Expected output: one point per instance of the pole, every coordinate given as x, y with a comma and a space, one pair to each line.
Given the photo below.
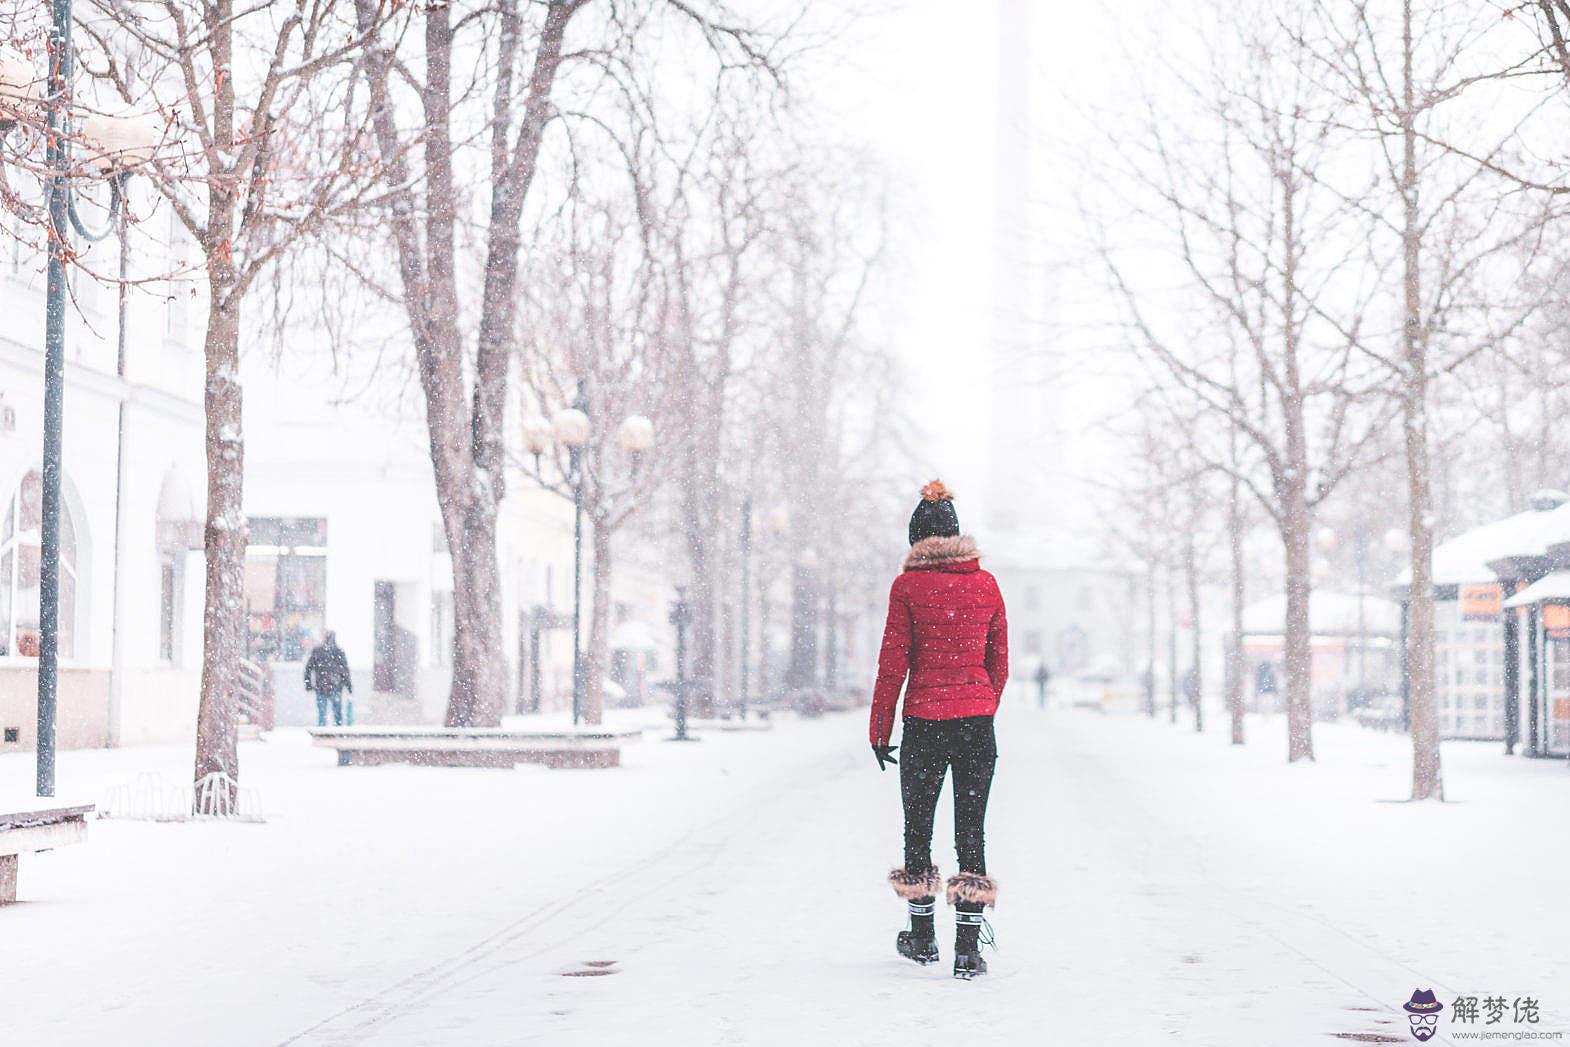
576, 456
575, 460
121, 494
58, 160
1362, 628
746, 598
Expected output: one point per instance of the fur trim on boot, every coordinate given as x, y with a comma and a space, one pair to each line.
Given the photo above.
974, 888
913, 885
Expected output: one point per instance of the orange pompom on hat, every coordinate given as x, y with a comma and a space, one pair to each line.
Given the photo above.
934, 516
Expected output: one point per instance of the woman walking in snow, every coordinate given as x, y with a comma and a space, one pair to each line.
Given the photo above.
948, 635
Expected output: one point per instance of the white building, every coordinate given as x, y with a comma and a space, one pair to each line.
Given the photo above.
344, 527
346, 534
131, 580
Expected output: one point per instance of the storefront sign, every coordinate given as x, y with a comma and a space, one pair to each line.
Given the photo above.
1482, 603
1556, 621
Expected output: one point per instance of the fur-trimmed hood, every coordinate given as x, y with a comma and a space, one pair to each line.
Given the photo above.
942, 551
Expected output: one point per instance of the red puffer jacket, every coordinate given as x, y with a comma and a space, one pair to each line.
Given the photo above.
947, 632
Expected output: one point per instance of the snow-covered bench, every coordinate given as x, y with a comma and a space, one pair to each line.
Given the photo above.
474, 746
40, 830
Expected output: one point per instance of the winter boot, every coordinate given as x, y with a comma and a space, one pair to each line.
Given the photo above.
920, 942
919, 889
969, 894
968, 927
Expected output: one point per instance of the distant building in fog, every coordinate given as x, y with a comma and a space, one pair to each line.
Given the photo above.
1071, 614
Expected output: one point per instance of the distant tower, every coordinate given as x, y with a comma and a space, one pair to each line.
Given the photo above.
1023, 452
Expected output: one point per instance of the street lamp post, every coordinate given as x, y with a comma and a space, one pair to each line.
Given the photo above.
116, 144
1360, 552
572, 428
681, 614
746, 598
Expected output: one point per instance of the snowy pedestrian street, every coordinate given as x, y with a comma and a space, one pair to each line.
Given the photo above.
1155, 885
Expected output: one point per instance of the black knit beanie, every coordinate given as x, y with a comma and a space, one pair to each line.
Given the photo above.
934, 516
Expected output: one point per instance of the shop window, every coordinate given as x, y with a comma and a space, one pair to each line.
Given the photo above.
19, 572
441, 628
288, 532
285, 587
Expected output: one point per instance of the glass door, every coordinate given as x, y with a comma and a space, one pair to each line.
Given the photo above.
1555, 711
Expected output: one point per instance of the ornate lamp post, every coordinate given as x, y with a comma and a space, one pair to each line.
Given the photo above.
572, 428
113, 146
680, 617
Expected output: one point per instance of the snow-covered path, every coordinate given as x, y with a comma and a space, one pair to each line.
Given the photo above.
1154, 885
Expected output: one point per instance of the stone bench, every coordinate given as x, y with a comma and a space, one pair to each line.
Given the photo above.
30, 831
474, 746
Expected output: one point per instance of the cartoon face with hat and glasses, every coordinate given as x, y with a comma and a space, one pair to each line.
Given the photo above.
1422, 1013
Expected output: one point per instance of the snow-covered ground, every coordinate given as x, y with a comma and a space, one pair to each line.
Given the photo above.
1156, 886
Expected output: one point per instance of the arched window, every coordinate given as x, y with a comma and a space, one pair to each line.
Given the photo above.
19, 563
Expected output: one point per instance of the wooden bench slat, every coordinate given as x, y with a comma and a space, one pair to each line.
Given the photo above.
43, 816
42, 837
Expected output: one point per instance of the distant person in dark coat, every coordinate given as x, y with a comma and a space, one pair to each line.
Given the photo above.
1265, 685
327, 674
1043, 677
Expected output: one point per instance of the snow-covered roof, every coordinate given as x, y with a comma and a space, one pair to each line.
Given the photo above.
1329, 614
1465, 558
1553, 586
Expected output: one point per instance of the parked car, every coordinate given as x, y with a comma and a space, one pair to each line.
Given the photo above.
1103, 688
1381, 712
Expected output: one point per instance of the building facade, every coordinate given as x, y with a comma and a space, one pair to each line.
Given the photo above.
133, 477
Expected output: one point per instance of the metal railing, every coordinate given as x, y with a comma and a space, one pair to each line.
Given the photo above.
257, 701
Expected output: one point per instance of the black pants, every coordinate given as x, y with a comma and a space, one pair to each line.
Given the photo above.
927, 750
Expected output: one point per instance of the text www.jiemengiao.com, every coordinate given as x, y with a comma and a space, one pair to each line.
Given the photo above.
1505, 1034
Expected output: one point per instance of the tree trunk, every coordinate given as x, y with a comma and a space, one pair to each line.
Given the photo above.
1151, 640
802, 670
223, 620
1191, 572
1427, 775
831, 638
1235, 664
465, 429
597, 657
1297, 642
1172, 646
702, 530
1297, 515
478, 693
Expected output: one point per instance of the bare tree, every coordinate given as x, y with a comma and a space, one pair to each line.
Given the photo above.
1273, 258
598, 310
830, 253
423, 134
712, 247
1411, 72
267, 153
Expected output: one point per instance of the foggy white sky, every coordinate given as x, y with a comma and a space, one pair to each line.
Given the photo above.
917, 80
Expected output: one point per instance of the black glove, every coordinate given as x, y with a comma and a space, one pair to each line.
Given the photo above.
885, 755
